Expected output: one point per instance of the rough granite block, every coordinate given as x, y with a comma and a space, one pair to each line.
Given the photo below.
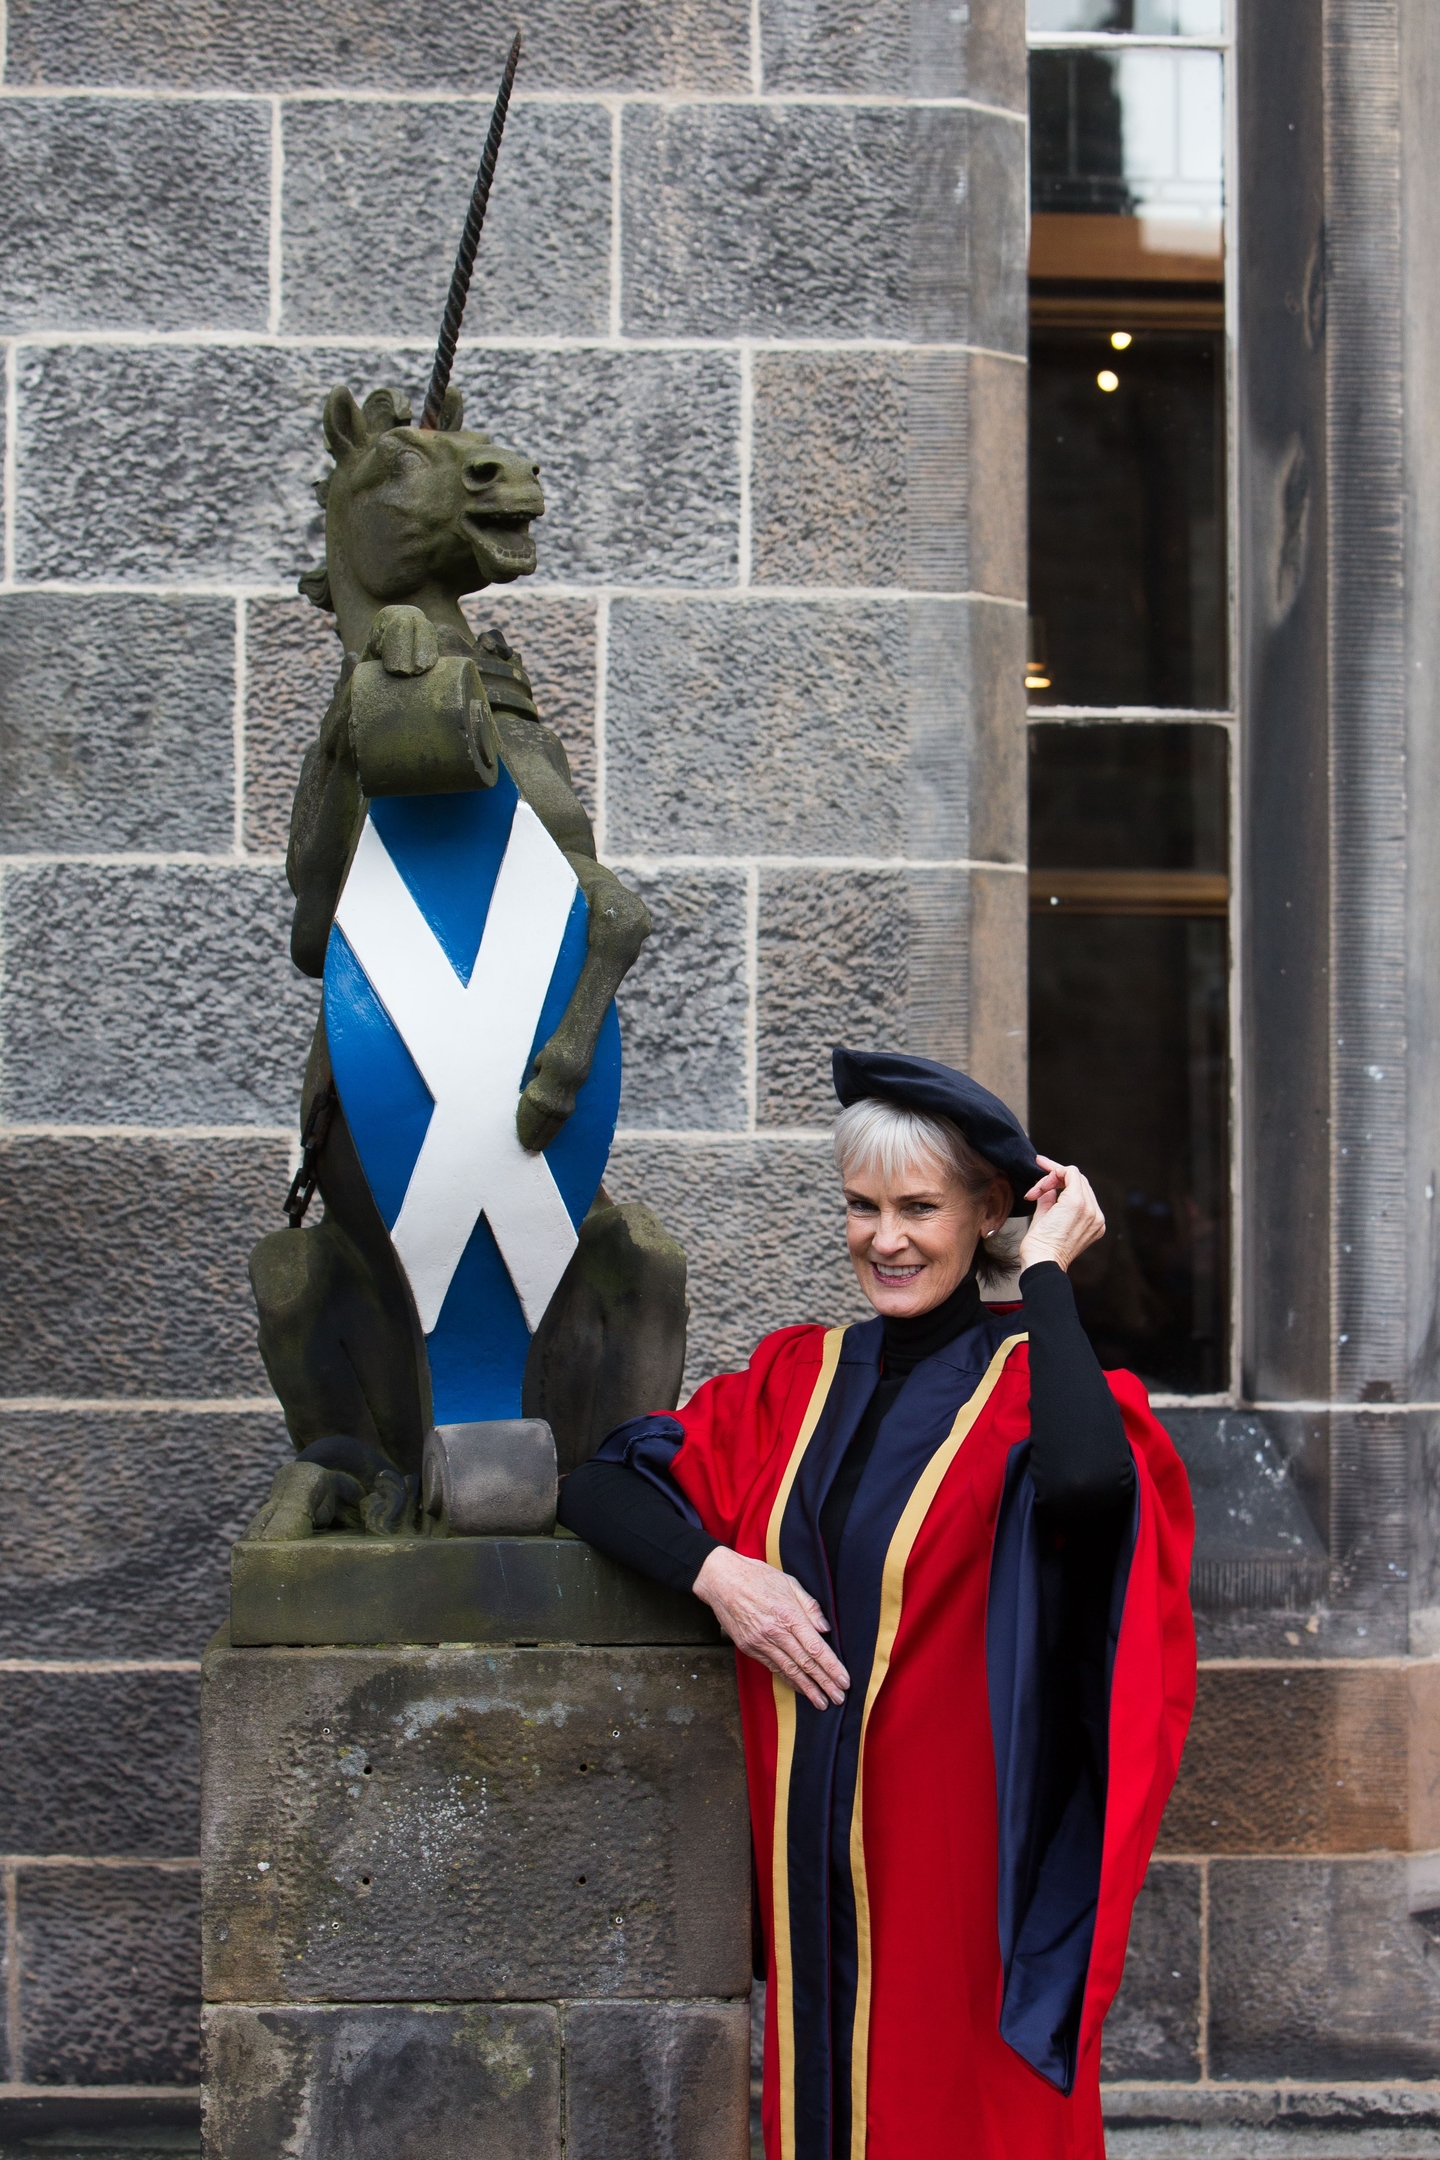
555, 637
124, 1264
799, 215
152, 995
1153, 2030
473, 1824
292, 663
383, 2081
110, 1975
116, 723
860, 957
890, 469
657, 2081
451, 45
829, 493
376, 195
1318, 1970
205, 458
923, 49
763, 1228
683, 1004
100, 1762
769, 726
115, 1527
133, 215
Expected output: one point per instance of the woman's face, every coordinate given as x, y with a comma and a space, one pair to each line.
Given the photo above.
912, 1241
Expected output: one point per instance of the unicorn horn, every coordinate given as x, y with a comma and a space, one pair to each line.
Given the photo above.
465, 254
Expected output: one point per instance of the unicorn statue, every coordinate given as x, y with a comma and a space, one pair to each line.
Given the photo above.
473, 1313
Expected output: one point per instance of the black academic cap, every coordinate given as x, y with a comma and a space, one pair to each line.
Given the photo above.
920, 1084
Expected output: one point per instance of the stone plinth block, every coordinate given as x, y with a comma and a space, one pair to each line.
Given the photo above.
493, 1590
473, 1825
476, 1899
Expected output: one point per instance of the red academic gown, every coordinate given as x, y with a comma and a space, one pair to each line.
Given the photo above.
947, 1865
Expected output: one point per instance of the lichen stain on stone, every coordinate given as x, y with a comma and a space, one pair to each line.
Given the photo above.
504, 2057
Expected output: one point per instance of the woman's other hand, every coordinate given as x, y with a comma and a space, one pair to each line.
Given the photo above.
1067, 1216
772, 1619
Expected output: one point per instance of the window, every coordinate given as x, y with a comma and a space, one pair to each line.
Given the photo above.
1129, 666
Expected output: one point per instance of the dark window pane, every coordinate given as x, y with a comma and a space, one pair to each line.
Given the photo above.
1129, 1030
1127, 527
1121, 796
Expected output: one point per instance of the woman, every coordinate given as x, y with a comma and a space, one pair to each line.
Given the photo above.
953, 1555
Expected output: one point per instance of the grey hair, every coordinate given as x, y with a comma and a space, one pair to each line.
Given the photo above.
876, 1135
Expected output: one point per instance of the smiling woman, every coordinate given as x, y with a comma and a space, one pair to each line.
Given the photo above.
953, 1556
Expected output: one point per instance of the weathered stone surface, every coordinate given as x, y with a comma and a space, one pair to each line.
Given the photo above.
657, 2081
133, 215
999, 924
775, 1204
116, 723
1319, 1966
890, 468
1329, 2117
1153, 2030
997, 189
1309, 1759
492, 1590
860, 957
771, 726
109, 1977
205, 458
1256, 1542
477, 1825
100, 1762
555, 637
683, 1004
115, 1528
931, 49
786, 727
452, 46
381, 2081
124, 1264
292, 661
361, 258
829, 495
798, 214
995, 504
150, 995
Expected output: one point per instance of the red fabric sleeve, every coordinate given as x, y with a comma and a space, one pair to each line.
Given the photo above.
739, 1429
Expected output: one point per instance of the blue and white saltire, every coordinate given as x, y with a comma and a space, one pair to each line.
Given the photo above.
459, 936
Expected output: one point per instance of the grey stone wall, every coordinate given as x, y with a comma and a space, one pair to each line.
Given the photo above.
753, 293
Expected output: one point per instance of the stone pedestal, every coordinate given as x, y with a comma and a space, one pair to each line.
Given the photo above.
474, 1896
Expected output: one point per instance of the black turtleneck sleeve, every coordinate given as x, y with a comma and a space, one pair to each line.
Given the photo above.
1080, 1461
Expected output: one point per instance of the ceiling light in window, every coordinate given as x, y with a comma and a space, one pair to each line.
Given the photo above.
1037, 682
1108, 379
1121, 340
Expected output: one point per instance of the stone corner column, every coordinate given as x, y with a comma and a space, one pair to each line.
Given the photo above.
478, 1896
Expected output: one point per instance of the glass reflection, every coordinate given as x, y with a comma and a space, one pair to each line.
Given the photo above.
1147, 18
1137, 134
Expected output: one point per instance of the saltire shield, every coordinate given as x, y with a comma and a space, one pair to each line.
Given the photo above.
458, 940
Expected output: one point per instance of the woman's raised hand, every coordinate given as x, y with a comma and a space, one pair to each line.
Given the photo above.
772, 1619
1067, 1216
